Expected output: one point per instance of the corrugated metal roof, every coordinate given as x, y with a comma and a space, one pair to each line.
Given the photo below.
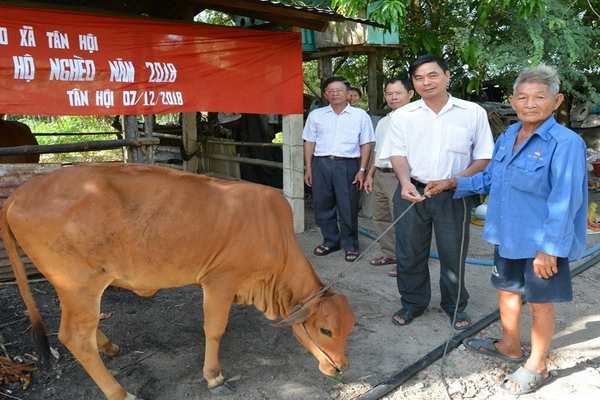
316, 18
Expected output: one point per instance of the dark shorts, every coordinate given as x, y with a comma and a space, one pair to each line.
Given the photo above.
517, 276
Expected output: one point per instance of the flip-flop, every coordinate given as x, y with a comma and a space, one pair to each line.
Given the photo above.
351, 256
321, 250
383, 261
405, 315
528, 380
487, 348
461, 316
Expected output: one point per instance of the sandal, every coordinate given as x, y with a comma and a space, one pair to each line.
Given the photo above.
383, 261
460, 317
487, 347
324, 250
351, 256
529, 381
406, 315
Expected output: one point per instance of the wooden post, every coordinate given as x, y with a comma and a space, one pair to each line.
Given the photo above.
148, 154
325, 71
189, 129
189, 139
130, 130
375, 82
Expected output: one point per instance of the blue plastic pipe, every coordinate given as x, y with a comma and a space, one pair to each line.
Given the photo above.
478, 261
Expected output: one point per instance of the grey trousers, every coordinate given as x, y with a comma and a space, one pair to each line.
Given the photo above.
384, 187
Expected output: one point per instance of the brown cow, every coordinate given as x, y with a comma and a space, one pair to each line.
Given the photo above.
145, 228
14, 133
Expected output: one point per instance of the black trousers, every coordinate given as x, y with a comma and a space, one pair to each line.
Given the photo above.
449, 220
336, 199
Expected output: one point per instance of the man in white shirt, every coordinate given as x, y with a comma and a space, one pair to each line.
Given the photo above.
434, 138
337, 145
381, 181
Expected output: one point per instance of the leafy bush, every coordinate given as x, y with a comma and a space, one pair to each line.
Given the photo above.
73, 129
278, 138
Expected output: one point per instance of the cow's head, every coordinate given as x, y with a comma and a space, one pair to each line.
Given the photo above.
322, 325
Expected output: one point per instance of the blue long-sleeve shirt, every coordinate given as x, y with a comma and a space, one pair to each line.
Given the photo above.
538, 195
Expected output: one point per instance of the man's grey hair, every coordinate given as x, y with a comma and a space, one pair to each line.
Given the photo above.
543, 74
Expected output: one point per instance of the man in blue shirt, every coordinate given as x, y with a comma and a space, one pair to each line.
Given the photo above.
536, 217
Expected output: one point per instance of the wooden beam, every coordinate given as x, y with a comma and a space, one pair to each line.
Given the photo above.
349, 50
273, 12
79, 146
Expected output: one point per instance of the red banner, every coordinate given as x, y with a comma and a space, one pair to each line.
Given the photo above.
66, 63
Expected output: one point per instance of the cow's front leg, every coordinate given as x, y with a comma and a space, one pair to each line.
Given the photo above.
216, 315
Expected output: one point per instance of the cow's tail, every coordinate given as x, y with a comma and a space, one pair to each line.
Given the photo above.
38, 330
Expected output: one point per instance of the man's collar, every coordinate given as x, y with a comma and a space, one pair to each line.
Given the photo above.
330, 109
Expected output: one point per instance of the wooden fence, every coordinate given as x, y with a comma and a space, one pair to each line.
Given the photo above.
12, 176
77, 147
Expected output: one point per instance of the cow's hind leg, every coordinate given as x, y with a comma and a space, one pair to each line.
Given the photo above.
105, 345
79, 333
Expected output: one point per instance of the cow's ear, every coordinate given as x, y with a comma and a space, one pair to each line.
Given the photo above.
299, 316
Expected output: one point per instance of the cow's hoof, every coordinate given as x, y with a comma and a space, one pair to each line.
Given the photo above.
223, 390
112, 350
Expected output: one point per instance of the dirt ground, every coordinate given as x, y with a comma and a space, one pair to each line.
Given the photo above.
162, 341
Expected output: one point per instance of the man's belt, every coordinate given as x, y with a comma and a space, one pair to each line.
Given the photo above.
336, 158
417, 183
421, 185
385, 169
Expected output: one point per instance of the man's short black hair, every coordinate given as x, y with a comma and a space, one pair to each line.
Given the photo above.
406, 83
427, 59
357, 90
335, 79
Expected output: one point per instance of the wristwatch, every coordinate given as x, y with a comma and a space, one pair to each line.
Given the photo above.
362, 169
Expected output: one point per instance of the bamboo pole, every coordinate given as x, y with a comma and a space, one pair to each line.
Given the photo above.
76, 147
244, 160
256, 144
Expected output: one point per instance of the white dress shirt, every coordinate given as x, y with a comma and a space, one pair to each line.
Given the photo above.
380, 133
438, 146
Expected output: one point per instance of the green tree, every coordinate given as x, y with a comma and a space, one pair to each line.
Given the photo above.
494, 39
72, 129
215, 18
